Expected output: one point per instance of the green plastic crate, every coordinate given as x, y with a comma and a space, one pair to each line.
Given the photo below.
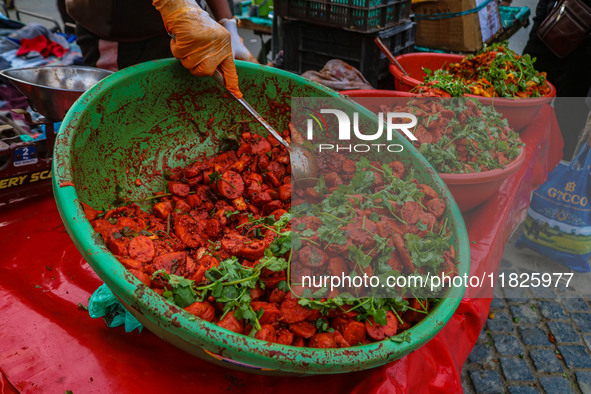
359, 15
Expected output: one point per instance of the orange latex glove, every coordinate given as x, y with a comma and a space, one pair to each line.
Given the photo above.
201, 44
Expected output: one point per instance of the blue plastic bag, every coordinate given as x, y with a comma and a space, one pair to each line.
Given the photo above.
558, 223
103, 303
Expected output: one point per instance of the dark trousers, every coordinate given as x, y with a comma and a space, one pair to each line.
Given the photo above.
128, 53
571, 76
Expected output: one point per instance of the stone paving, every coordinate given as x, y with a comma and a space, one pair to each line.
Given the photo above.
534, 340
532, 344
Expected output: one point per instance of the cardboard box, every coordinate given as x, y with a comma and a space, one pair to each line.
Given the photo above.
463, 33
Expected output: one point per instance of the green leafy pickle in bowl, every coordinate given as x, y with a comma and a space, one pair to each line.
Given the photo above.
460, 136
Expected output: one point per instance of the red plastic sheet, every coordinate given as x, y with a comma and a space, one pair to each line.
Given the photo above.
48, 343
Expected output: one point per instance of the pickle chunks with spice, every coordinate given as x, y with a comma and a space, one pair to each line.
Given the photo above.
219, 244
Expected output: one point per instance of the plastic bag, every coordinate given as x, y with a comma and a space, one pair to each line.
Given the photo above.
103, 303
558, 223
338, 75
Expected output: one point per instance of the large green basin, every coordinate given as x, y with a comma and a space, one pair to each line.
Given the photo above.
130, 124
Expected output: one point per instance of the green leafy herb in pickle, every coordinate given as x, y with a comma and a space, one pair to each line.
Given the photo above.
230, 283
495, 71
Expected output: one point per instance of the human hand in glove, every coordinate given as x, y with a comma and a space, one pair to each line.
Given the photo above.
201, 44
238, 48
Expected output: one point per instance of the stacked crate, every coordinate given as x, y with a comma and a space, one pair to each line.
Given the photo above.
315, 31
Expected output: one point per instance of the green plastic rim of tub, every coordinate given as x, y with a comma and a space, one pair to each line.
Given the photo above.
131, 123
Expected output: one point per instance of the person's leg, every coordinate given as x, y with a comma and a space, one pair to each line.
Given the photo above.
95, 51
585, 136
570, 76
130, 53
66, 18
113, 56
89, 45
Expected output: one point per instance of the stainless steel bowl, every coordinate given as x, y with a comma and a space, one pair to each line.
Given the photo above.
51, 90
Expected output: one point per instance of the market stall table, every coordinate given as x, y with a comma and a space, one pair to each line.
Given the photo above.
48, 343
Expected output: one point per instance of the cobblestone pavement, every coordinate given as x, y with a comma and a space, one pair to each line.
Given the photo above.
534, 340
530, 345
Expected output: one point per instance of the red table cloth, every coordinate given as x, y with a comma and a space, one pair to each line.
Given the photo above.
48, 343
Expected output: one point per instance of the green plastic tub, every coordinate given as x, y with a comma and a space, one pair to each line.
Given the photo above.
130, 124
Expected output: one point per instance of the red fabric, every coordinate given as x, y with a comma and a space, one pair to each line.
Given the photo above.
42, 45
5, 386
49, 344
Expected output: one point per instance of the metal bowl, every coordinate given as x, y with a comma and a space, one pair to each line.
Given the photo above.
52, 90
